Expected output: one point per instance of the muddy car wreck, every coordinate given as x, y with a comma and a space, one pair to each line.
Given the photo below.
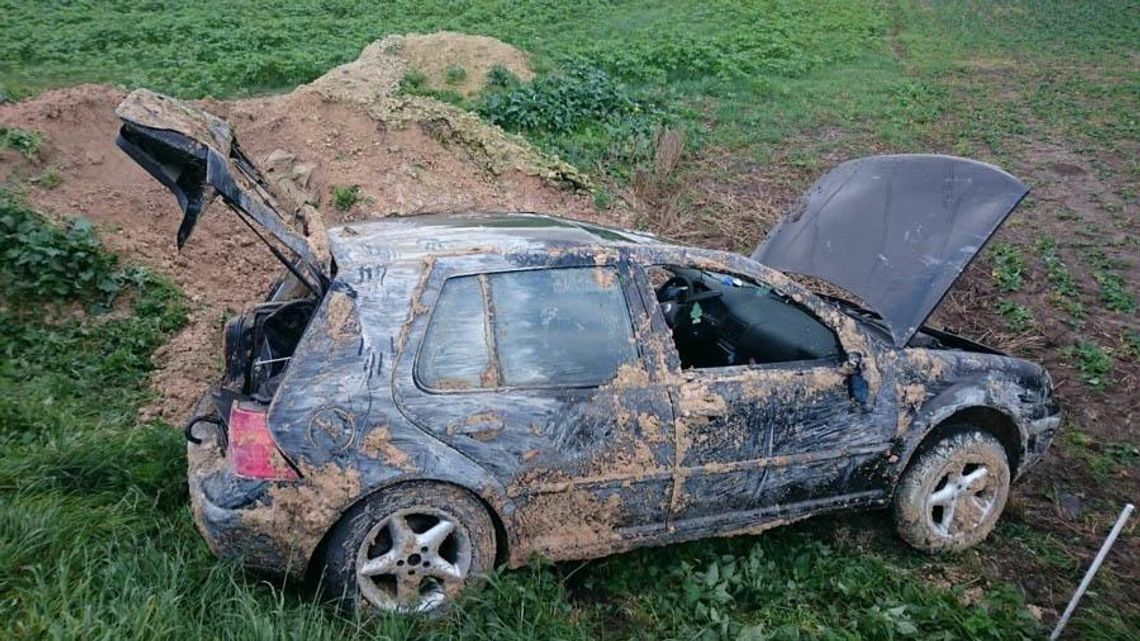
421, 399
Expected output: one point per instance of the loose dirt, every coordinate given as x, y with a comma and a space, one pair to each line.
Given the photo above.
408, 155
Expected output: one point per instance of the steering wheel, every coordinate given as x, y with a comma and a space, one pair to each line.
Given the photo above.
677, 294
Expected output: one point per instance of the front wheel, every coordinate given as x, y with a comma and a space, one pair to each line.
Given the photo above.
409, 549
951, 495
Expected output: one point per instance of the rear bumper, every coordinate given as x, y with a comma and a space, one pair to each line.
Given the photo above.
235, 515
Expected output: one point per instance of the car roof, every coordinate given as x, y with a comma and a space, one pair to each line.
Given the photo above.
416, 237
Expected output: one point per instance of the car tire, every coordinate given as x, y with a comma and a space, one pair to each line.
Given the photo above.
952, 493
410, 548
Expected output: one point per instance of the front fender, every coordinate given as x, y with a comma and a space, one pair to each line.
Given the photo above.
994, 396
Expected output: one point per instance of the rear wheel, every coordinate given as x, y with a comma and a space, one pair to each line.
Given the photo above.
952, 494
409, 549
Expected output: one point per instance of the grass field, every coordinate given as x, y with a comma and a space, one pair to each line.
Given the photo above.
96, 538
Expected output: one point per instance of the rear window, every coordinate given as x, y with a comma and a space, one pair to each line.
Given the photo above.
558, 327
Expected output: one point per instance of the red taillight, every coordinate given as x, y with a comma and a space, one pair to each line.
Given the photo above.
252, 450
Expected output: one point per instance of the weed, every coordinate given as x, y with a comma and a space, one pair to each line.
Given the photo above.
774, 587
1008, 266
1114, 292
582, 113
499, 78
1065, 291
413, 80
1041, 545
603, 199
1017, 316
455, 74
44, 263
1130, 341
1113, 289
346, 196
1094, 363
50, 179
1114, 458
24, 141
1105, 461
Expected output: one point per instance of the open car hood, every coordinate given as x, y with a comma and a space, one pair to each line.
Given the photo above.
194, 154
896, 231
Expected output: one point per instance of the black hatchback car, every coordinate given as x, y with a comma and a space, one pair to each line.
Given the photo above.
424, 398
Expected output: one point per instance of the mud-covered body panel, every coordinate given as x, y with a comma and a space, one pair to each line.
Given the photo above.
935, 385
657, 455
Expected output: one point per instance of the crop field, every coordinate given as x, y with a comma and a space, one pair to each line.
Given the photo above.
699, 120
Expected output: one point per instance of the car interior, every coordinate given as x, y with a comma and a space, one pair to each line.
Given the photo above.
721, 320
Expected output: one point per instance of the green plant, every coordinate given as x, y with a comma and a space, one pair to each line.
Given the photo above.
413, 80
1008, 266
1065, 291
603, 198
42, 262
582, 113
24, 141
1114, 292
346, 196
50, 179
499, 77
1094, 363
1016, 315
455, 74
1113, 289
1130, 339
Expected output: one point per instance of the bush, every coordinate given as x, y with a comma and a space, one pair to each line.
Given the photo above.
560, 102
42, 262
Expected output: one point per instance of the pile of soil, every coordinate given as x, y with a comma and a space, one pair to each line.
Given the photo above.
408, 155
434, 54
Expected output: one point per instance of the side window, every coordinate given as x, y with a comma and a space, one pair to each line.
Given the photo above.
549, 327
455, 353
720, 320
561, 326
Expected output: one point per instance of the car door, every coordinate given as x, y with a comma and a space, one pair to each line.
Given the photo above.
759, 441
539, 374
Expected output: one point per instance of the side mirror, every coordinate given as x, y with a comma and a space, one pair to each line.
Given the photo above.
857, 387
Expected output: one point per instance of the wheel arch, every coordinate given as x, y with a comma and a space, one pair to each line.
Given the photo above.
498, 505
952, 420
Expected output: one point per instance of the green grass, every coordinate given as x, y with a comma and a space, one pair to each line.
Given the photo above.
1105, 461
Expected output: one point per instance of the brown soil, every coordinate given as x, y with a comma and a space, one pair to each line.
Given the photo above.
408, 155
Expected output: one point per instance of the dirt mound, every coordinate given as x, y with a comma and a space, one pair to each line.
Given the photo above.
408, 155
373, 81
460, 62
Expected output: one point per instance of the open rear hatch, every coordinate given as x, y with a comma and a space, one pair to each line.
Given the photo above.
194, 154
895, 231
